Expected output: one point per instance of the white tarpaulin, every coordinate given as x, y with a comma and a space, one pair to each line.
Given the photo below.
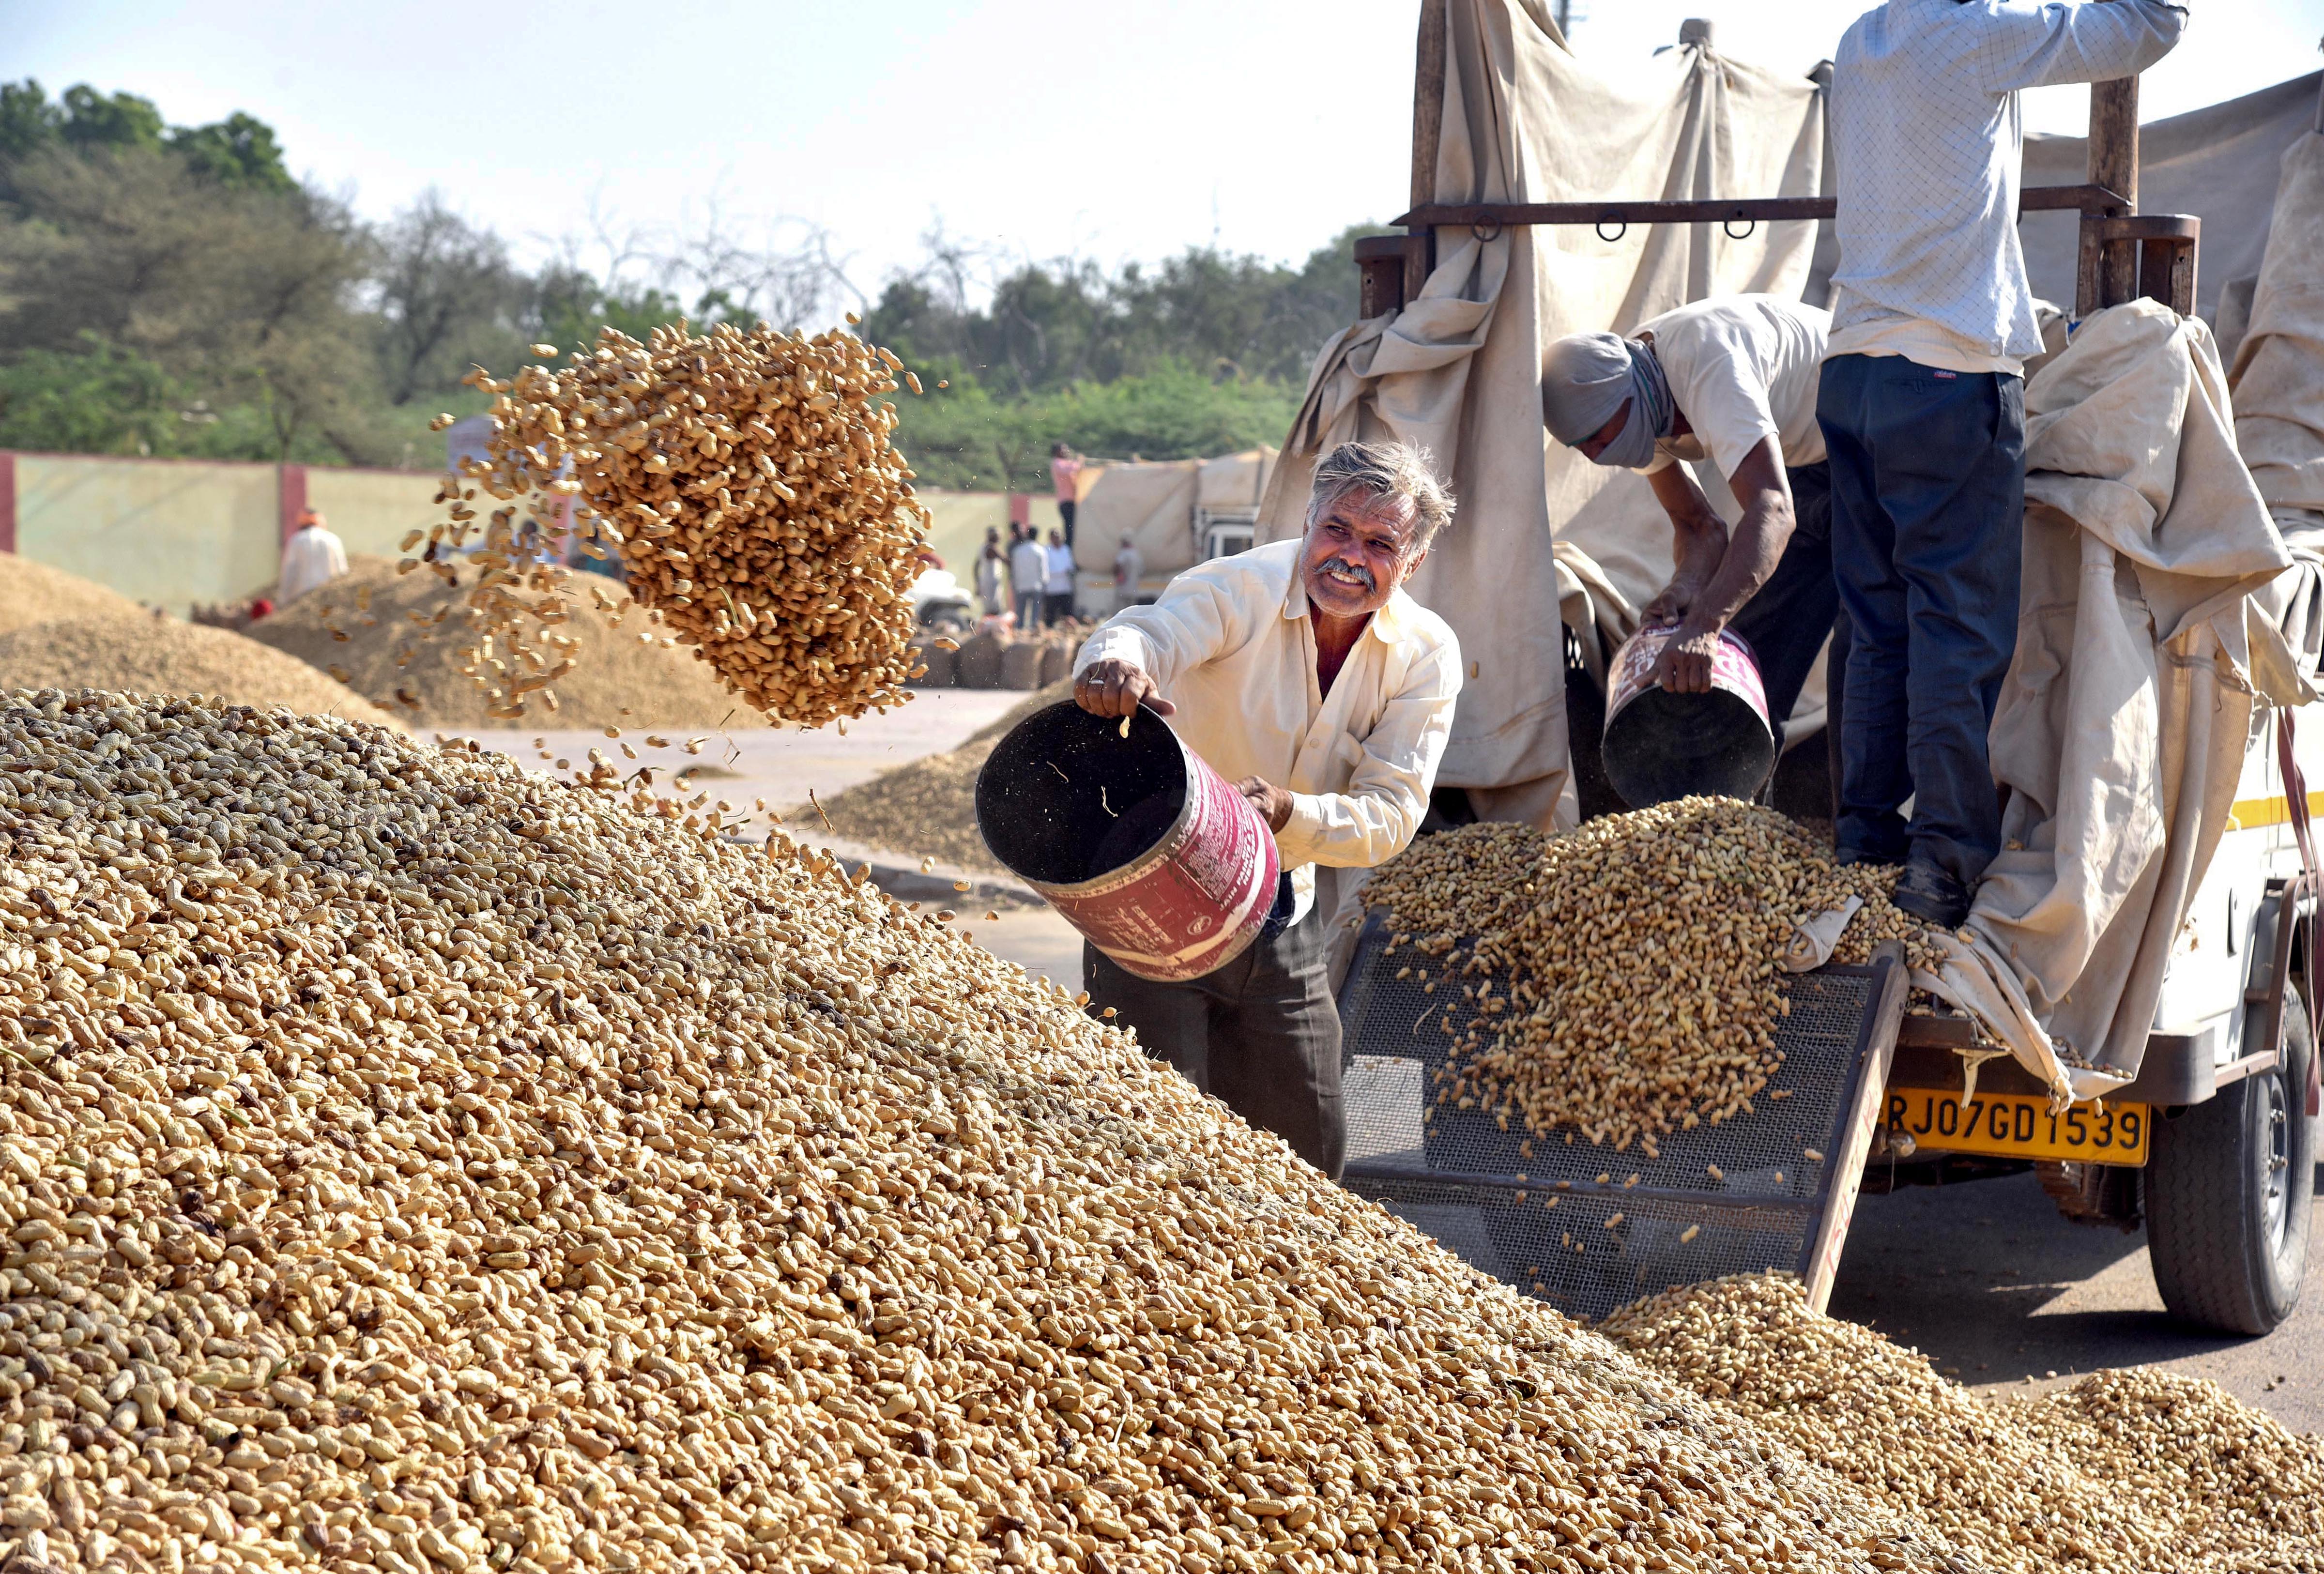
1234, 481
2279, 392
2279, 372
2218, 162
1152, 503
2120, 734
1458, 369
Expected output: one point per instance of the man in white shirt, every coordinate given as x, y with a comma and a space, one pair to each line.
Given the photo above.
1733, 379
1923, 403
312, 557
1029, 574
1058, 588
1301, 672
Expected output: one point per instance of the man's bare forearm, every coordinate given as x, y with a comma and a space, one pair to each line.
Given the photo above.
1748, 562
1702, 546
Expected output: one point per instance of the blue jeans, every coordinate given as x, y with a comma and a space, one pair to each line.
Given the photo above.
1786, 622
1928, 505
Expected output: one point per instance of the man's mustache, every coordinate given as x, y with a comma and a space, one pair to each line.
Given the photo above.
1356, 569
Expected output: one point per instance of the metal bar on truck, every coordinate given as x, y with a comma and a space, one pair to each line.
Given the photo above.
2085, 199
1875, 1049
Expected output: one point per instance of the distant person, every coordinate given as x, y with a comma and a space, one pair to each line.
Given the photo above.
1064, 473
1028, 577
1128, 569
312, 557
991, 567
1058, 588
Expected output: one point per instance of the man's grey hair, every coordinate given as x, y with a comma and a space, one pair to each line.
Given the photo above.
1383, 470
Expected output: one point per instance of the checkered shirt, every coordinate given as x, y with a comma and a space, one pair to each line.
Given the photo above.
1928, 139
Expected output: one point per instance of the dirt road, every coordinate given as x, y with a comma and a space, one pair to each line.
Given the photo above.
2006, 1295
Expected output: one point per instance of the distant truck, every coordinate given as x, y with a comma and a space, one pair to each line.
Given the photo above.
1177, 512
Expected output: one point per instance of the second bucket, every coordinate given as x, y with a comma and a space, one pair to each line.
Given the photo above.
1660, 745
1136, 841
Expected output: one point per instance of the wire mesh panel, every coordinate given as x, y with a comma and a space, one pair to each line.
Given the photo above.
1751, 1192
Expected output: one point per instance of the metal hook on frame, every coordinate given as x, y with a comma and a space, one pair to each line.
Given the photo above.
1750, 228
1488, 229
1621, 228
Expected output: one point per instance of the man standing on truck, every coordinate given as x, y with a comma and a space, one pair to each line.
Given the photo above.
1733, 379
1923, 403
1064, 475
1301, 672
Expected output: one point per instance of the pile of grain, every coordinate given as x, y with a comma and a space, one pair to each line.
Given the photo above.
33, 593
746, 479
143, 654
410, 1163
2122, 1473
1639, 956
928, 808
619, 680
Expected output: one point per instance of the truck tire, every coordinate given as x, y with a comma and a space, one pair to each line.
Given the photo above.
2230, 1184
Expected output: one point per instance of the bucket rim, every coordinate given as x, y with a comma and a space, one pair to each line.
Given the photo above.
1618, 702
1137, 867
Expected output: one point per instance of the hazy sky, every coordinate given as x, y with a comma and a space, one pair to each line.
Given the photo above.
1111, 129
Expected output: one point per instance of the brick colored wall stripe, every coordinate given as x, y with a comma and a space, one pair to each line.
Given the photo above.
294, 497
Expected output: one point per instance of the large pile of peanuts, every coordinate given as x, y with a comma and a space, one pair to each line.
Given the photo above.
1631, 971
413, 1165
2123, 1472
747, 481
408, 643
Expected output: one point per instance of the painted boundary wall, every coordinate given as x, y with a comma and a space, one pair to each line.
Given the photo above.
172, 532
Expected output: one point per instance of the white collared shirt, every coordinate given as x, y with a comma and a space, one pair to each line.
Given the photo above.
1231, 644
311, 558
1028, 568
1928, 141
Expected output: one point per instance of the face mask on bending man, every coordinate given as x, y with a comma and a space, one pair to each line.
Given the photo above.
1606, 395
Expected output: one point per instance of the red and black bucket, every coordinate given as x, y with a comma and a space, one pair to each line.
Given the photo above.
1660, 745
1140, 845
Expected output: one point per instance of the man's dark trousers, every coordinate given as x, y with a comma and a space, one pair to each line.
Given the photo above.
1786, 620
1262, 1033
1928, 486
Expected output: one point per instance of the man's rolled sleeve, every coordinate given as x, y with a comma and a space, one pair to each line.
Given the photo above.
1195, 620
1387, 795
1114, 642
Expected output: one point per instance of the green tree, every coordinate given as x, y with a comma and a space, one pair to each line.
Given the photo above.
1051, 326
109, 120
964, 438
238, 151
242, 296
446, 297
28, 121
569, 306
96, 398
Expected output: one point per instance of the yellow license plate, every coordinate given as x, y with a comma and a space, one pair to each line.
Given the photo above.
2006, 1125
